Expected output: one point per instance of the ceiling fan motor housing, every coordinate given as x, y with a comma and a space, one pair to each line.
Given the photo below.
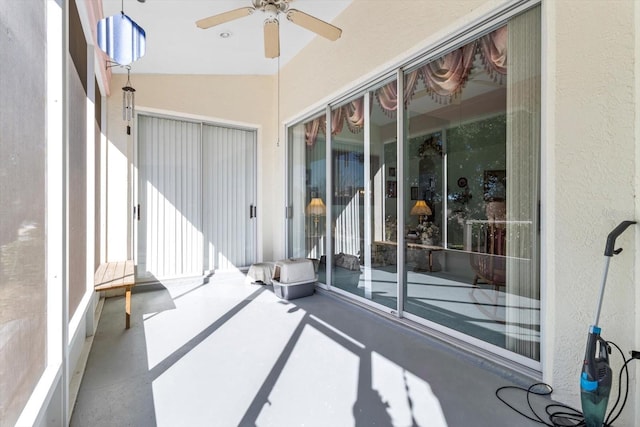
271, 6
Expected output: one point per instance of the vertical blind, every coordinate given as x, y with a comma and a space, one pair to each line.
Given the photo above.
197, 197
523, 190
170, 195
229, 186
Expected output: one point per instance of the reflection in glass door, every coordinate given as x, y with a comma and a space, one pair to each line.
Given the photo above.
364, 210
430, 205
306, 213
348, 163
472, 158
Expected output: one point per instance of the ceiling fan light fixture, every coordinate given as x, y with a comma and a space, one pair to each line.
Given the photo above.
271, 10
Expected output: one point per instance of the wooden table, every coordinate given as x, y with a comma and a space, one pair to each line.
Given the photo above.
429, 248
116, 275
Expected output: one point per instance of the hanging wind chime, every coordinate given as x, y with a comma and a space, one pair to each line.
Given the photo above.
124, 42
128, 101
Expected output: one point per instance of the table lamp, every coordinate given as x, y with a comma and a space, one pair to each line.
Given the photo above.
316, 208
420, 209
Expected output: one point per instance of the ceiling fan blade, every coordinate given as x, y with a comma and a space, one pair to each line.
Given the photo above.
314, 24
271, 38
224, 17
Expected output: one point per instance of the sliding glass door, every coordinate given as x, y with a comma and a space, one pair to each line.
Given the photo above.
348, 163
307, 193
472, 239
441, 210
380, 264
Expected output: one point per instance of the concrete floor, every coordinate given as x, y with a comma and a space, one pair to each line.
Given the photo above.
221, 352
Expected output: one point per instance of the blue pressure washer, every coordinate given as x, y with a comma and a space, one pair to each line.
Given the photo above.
595, 380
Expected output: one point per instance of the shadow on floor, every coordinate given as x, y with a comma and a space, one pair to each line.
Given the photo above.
225, 353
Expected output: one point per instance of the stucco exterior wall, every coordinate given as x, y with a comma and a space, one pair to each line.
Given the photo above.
589, 148
590, 170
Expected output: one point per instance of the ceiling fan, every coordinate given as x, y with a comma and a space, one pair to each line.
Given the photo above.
273, 8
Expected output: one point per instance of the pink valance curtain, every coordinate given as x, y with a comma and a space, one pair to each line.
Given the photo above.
493, 50
387, 95
352, 113
311, 132
337, 121
444, 78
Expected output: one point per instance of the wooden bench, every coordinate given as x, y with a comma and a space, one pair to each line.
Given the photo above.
117, 275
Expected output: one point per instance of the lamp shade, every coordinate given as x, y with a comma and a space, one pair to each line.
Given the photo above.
316, 207
420, 208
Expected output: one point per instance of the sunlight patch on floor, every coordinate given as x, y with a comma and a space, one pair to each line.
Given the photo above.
218, 377
317, 387
409, 399
196, 307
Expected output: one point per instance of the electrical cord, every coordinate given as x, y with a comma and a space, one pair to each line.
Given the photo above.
567, 413
624, 369
559, 415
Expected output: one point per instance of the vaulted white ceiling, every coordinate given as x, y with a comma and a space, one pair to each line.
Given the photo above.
174, 44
